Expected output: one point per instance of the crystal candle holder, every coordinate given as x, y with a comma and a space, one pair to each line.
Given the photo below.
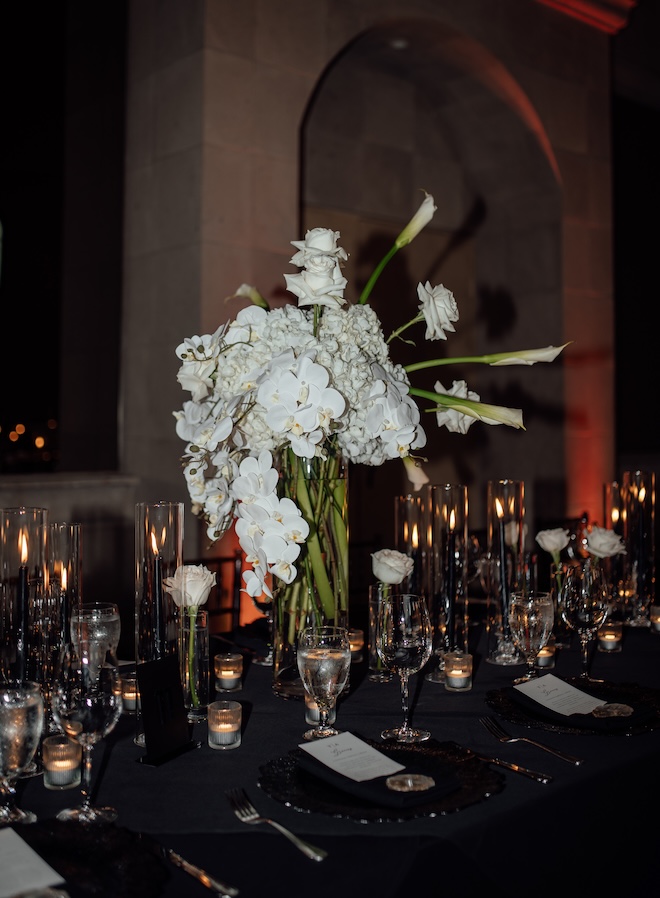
224, 725
228, 672
610, 637
458, 671
356, 641
61, 758
129, 693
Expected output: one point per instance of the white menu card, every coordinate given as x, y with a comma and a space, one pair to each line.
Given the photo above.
23, 870
555, 694
350, 756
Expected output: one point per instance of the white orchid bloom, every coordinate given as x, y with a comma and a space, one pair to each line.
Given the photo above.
439, 309
284, 568
451, 418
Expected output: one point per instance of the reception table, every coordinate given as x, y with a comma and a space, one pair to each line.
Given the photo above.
592, 829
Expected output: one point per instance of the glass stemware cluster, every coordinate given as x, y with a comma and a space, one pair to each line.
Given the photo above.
21, 725
531, 620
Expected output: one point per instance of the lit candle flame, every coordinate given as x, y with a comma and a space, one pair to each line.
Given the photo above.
23, 544
64, 579
499, 508
452, 520
642, 494
154, 544
415, 537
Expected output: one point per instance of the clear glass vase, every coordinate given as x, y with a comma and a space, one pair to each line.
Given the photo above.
319, 593
194, 662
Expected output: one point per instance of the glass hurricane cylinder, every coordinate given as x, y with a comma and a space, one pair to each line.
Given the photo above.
638, 488
23, 577
411, 537
194, 662
506, 558
158, 553
318, 596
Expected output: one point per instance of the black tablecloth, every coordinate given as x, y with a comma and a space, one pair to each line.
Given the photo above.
588, 829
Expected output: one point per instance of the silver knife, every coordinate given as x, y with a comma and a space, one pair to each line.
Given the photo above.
525, 771
199, 874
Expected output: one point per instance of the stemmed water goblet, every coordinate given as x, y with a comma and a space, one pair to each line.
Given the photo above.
99, 625
404, 637
87, 704
584, 606
531, 619
324, 662
21, 725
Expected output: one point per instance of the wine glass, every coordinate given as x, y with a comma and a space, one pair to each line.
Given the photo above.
21, 724
324, 661
87, 704
531, 618
584, 606
405, 640
99, 625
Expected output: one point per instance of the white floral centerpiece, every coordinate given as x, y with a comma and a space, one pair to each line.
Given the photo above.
313, 382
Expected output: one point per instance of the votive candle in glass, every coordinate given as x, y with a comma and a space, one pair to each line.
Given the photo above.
129, 693
224, 725
312, 713
458, 671
655, 618
610, 636
546, 657
356, 641
228, 672
61, 758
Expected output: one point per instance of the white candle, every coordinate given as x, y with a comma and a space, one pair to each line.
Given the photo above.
546, 657
61, 760
312, 713
62, 773
228, 672
609, 637
356, 642
227, 680
224, 734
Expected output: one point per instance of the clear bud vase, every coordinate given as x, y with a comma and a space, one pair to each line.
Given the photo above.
194, 662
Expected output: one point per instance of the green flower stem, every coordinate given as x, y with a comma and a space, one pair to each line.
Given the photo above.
364, 296
457, 360
397, 333
192, 617
314, 552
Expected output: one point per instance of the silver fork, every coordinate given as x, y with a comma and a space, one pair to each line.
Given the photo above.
247, 813
496, 729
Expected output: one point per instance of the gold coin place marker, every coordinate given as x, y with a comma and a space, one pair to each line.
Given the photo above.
612, 709
409, 782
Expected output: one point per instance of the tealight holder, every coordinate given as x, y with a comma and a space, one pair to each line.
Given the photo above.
312, 713
228, 672
224, 725
545, 659
458, 671
610, 637
61, 759
654, 615
129, 693
356, 641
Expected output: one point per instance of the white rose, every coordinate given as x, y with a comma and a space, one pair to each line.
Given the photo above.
439, 309
602, 543
390, 566
190, 586
553, 541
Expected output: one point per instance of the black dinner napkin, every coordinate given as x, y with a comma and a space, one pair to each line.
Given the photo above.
642, 712
377, 792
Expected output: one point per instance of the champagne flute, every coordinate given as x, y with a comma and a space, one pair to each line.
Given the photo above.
405, 641
21, 724
531, 618
584, 606
324, 661
87, 704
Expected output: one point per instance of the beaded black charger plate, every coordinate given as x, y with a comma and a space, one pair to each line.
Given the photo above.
286, 781
644, 702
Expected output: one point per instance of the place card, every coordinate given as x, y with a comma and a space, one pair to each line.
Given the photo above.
558, 696
351, 757
23, 870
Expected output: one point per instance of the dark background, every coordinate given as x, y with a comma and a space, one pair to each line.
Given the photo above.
55, 59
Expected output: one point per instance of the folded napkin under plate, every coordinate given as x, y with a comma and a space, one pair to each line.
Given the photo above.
519, 708
460, 780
